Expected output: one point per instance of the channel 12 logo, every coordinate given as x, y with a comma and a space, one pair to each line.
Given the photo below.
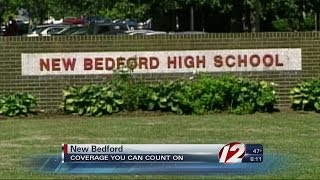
232, 153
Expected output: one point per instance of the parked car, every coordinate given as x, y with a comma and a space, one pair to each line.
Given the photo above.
108, 28
138, 32
188, 32
45, 30
23, 26
73, 20
156, 33
144, 32
2, 29
83, 31
72, 30
96, 19
134, 24
52, 20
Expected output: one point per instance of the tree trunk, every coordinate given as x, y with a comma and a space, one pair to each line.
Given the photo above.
236, 24
191, 18
317, 21
246, 17
255, 17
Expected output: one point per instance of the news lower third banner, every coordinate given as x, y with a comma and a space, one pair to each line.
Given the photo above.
231, 158
162, 153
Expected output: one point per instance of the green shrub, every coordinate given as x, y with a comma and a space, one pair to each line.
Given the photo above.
127, 89
15, 104
163, 96
199, 95
92, 100
306, 96
240, 96
206, 95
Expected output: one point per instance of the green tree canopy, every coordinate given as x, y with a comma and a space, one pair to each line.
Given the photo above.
244, 15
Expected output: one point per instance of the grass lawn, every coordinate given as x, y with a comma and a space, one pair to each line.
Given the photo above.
292, 134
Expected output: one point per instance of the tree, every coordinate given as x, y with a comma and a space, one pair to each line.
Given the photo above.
314, 5
3, 7
239, 15
126, 9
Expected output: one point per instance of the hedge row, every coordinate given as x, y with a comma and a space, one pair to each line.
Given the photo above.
198, 95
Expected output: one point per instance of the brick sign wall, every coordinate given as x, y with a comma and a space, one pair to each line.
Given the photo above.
43, 66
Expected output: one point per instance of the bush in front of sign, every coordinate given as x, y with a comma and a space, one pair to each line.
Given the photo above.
92, 100
248, 96
229, 93
164, 96
125, 85
204, 93
267, 97
200, 95
16, 104
306, 96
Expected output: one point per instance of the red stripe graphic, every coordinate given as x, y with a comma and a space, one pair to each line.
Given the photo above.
65, 148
